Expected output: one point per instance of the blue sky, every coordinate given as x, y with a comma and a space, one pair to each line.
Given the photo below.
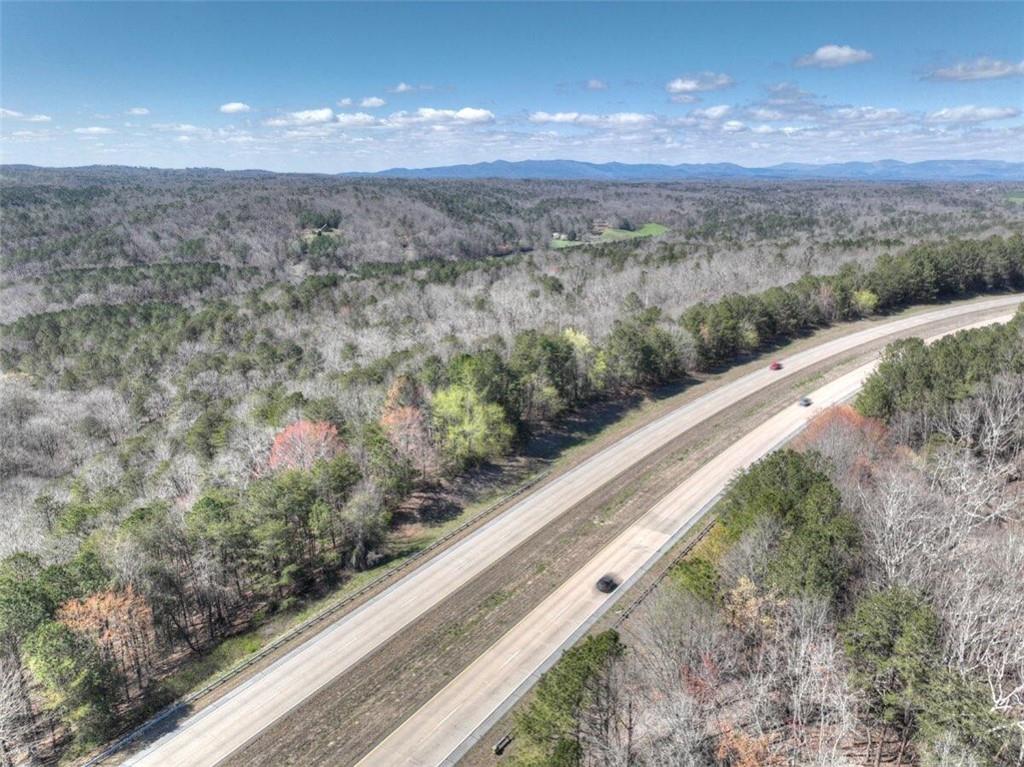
334, 87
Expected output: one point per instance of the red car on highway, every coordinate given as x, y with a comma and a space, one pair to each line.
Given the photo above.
776, 365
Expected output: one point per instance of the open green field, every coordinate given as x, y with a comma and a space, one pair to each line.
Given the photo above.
612, 235
1017, 197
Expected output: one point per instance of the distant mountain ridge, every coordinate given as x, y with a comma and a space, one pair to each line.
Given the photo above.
574, 170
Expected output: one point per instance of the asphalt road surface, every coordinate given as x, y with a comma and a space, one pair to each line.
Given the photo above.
221, 728
441, 731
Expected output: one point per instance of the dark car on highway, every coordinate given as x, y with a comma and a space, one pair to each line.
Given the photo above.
607, 584
805, 402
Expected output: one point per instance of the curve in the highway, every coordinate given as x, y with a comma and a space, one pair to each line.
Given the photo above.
218, 730
442, 730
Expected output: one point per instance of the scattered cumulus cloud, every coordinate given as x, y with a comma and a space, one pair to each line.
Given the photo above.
712, 113
10, 114
554, 117
178, 127
834, 56
303, 117
614, 120
786, 101
787, 93
684, 89
627, 118
320, 122
982, 68
869, 114
431, 115
404, 87
356, 120
764, 113
971, 114
784, 122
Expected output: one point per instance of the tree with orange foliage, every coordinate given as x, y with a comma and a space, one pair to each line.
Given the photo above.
737, 749
405, 420
852, 442
302, 443
121, 624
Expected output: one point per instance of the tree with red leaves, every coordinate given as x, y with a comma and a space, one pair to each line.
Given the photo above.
302, 443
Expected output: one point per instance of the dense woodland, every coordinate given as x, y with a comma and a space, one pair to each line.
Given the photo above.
857, 603
219, 388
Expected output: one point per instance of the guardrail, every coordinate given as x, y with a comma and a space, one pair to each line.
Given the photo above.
690, 545
297, 631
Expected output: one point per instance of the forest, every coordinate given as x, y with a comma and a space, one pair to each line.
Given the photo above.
856, 602
220, 389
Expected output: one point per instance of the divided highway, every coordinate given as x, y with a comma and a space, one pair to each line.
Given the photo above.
444, 729
226, 725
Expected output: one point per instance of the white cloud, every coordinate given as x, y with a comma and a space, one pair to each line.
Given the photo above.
372, 102
733, 126
235, 107
593, 84
982, 68
405, 87
786, 101
762, 113
787, 93
684, 89
345, 102
627, 118
303, 117
869, 114
178, 127
431, 115
357, 119
712, 113
11, 114
93, 130
554, 117
137, 111
971, 114
474, 115
615, 120
833, 56
183, 139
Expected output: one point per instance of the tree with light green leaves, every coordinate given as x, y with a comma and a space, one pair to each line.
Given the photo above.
471, 430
